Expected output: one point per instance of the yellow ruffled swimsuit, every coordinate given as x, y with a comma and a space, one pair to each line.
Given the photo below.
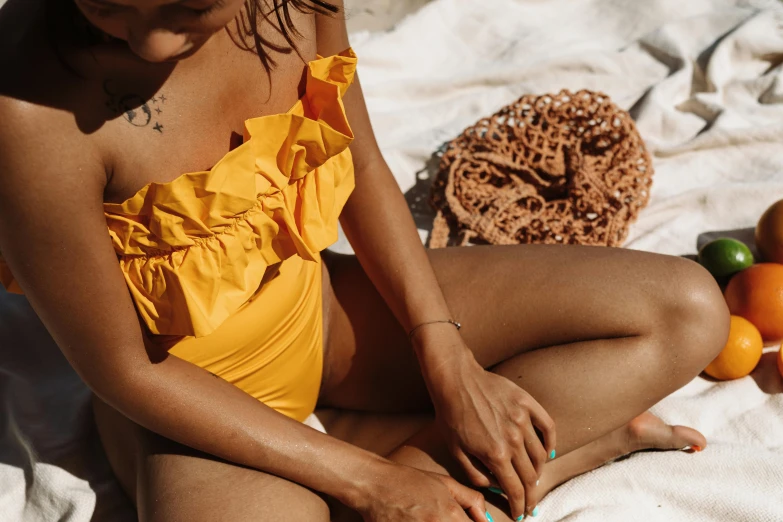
224, 265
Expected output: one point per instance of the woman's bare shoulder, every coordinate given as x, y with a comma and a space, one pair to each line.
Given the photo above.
43, 150
39, 130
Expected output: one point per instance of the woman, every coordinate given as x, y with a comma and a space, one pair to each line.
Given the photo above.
221, 327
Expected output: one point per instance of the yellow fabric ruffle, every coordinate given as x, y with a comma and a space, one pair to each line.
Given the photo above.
194, 250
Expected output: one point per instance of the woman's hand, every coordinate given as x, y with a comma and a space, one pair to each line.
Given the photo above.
405, 494
488, 422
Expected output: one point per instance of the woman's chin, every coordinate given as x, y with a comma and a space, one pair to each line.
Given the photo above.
187, 51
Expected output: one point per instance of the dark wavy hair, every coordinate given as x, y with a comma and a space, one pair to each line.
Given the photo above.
249, 18
65, 20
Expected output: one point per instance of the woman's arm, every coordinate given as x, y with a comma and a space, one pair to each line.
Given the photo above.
484, 415
376, 218
53, 235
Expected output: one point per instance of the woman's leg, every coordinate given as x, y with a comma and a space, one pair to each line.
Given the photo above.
596, 335
425, 450
169, 482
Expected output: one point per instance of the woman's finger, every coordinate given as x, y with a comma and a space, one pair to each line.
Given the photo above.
469, 499
545, 425
475, 476
535, 449
510, 483
527, 472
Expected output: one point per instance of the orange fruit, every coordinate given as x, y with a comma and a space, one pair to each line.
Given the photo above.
741, 354
756, 294
769, 234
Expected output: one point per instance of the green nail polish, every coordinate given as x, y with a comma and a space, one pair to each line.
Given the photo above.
489, 517
520, 517
497, 491
552, 454
535, 511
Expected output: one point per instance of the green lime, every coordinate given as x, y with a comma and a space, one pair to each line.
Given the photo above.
725, 256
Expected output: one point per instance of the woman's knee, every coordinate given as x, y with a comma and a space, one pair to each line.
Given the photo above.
693, 322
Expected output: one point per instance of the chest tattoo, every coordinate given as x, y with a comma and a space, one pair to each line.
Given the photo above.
135, 109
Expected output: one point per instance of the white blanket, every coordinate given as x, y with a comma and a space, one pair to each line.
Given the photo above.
704, 81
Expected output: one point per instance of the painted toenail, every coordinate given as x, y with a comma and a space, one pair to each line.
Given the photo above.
535, 511
552, 454
520, 517
696, 448
489, 517
497, 491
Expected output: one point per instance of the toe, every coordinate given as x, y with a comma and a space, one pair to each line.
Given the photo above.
649, 431
683, 436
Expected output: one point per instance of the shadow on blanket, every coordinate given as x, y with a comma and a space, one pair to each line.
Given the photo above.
47, 417
418, 196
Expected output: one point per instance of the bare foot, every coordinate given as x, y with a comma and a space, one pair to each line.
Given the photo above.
649, 432
643, 432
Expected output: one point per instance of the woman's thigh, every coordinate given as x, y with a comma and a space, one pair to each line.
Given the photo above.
171, 483
511, 300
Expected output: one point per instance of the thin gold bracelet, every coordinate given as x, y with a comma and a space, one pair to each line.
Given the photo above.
448, 321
